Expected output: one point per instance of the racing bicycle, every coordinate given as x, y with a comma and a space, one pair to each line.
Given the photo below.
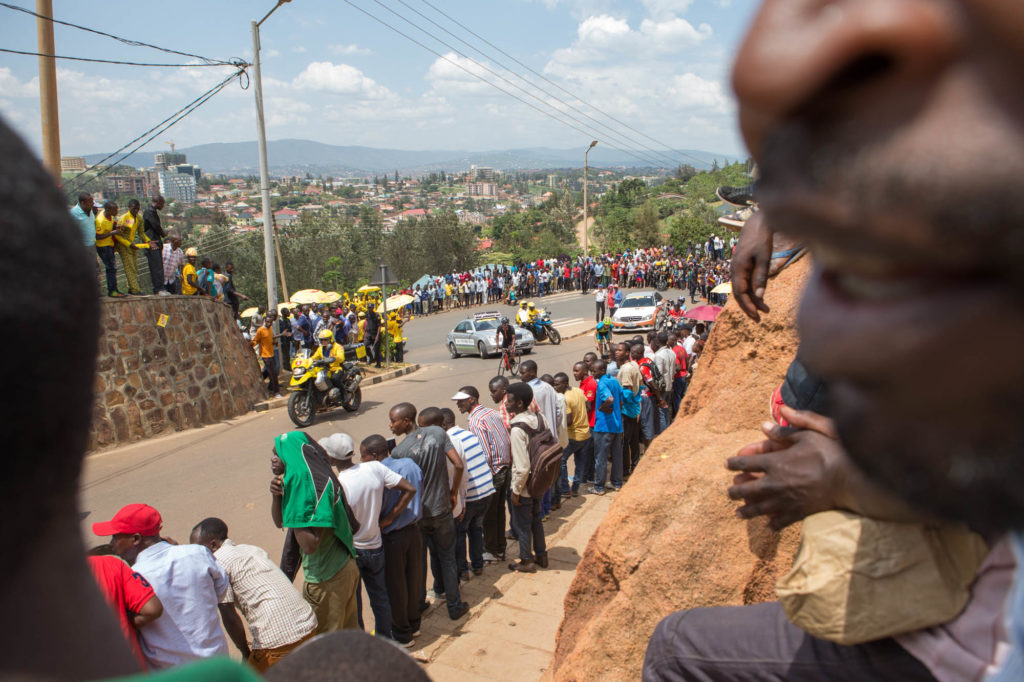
509, 362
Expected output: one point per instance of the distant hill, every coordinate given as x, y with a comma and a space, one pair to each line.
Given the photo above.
297, 157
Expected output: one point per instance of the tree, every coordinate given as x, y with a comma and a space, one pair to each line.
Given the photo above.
646, 225
693, 225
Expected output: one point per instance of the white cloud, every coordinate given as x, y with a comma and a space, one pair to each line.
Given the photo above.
341, 79
299, 49
10, 86
454, 74
352, 49
666, 9
605, 37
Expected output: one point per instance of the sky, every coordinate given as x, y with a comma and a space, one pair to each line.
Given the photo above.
334, 74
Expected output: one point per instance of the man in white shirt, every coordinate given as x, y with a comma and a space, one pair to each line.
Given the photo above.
186, 578
478, 493
278, 617
364, 485
665, 360
544, 394
529, 525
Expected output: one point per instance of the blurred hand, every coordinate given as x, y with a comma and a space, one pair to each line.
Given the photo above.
796, 472
750, 266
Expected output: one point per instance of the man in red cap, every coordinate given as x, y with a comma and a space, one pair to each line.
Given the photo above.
187, 580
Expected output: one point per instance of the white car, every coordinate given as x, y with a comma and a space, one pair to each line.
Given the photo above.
478, 334
639, 311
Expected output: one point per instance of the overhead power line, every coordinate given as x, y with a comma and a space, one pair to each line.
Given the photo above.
106, 61
161, 127
493, 85
610, 130
126, 41
547, 80
635, 153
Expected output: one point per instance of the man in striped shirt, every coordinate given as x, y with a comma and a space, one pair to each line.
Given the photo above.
492, 433
479, 493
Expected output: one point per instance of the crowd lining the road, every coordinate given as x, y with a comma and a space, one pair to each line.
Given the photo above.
435, 496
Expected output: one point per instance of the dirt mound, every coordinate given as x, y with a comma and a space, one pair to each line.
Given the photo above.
671, 540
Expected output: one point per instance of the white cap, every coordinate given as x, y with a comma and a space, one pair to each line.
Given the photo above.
461, 395
338, 446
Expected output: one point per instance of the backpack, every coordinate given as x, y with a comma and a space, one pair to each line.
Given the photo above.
545, 458
656, 374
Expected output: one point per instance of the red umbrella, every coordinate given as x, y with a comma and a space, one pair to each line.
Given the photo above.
704, 313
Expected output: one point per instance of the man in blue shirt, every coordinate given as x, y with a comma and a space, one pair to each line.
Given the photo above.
82, 214
403, 549
607, 428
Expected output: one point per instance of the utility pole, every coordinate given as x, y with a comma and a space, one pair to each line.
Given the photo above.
261, 139
48, 88
586, 227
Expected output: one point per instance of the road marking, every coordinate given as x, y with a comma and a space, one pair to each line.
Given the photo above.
569, 322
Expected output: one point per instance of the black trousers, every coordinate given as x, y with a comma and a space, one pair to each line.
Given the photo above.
403, 571
756, 643
155, 259
494, 519
630, 443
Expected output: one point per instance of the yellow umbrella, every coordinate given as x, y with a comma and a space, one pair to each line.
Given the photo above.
329, 297
248, 312
307, 296
723, 288
395, 302
287, 305
366, 288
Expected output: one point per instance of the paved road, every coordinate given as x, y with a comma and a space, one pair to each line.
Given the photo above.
571, 313
223, 469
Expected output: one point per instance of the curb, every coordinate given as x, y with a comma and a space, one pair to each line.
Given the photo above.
265, 405
588, 330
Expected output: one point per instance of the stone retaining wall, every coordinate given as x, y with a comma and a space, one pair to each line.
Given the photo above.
152, 379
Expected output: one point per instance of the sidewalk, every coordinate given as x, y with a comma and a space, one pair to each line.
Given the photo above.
510, 631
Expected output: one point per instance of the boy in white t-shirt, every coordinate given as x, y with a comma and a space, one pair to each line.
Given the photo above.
364, 485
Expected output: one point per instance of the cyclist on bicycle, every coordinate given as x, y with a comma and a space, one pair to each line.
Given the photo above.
506, 336
603, 336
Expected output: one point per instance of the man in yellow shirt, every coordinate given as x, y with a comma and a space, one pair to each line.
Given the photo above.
124, 243
395, 332
327, 348
361, 328
106, 221
189, 274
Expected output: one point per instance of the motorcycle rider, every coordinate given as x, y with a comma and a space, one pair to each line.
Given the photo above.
328, 349
523, 316
531, 320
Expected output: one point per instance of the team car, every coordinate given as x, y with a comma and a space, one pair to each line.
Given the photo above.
639, 311
478, 334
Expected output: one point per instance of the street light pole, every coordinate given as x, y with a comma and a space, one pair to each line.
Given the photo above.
261, 141
586, 227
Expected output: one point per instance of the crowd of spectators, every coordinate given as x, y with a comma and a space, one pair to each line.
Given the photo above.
699, 269
433, 506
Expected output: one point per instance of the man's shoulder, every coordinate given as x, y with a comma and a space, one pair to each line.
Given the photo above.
402, 465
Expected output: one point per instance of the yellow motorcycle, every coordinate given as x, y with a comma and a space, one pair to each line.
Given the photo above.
314, 391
